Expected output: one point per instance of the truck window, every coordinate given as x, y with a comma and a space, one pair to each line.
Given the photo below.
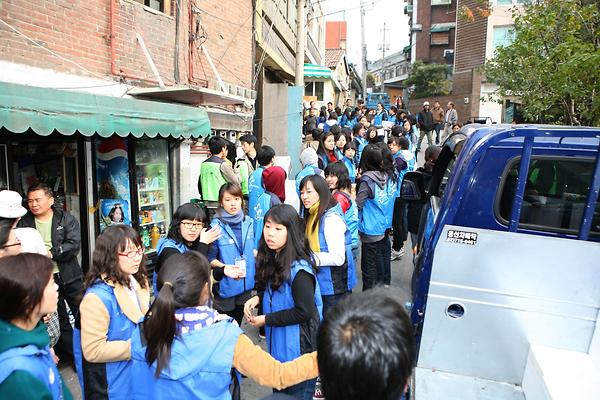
555, 194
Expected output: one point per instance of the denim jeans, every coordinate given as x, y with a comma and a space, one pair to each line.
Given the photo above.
375, 262
330, 301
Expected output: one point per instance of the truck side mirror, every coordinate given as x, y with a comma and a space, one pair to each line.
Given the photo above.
412, 188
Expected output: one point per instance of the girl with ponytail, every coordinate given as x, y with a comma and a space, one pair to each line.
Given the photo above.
186, 349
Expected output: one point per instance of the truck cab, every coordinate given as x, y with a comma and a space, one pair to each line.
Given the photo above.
506, 293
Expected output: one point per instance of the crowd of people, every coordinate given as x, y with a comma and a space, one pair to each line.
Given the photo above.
244, 253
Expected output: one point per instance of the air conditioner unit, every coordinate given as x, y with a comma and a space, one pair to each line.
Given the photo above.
440, 2
448, 53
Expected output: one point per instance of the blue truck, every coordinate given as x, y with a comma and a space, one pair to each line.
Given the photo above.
506, 286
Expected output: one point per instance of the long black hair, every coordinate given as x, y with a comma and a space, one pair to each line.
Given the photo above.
339, 170
274, 267
326, 200
181, 282
377, 157
189, 211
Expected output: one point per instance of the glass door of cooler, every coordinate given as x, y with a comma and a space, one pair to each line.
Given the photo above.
153, 191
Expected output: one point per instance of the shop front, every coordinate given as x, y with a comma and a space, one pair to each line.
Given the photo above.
108, 160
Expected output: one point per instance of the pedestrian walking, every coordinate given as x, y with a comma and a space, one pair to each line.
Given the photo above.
438, 120
450, 119
426, 125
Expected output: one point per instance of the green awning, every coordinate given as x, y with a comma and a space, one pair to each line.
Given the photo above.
316, 71
45, 110
443, 27
406, 48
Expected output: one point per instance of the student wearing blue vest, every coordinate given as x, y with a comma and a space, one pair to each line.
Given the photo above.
310, 166
232, 255
404, 161
184, 349
348, 160
380, 115
186, 232
358, 133
375, 200
340, 185
325, 222
326, 151
27, 293
341, 138
274, 185
288, 292
265, 156
115, 300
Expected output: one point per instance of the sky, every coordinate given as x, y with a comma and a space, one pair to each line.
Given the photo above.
377, 12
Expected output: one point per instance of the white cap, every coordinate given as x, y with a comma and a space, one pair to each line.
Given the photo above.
425, 104
11, 204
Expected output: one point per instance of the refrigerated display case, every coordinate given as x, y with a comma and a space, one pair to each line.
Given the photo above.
153, 190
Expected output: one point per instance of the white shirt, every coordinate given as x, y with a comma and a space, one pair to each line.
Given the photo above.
333, 231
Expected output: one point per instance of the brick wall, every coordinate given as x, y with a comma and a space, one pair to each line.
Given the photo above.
463, 110
427, 16
78, 30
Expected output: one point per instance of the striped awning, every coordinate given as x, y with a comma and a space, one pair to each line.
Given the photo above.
316, 71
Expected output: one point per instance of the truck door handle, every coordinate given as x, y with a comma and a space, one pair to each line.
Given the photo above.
455, 310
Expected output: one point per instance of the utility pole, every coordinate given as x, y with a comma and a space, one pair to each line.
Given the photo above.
383, 48
300, 42
363, 48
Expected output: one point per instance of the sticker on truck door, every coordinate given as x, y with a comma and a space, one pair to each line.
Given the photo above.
462, 237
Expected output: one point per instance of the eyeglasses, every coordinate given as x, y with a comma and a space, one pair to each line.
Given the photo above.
17, 243
190, 225
133, 253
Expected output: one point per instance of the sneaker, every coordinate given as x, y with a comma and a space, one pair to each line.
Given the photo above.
396, 255
261, 333
318, 394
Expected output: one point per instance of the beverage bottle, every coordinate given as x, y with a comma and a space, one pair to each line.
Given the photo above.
145, 237
155, 235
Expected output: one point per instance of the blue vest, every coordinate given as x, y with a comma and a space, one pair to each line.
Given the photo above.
376, 215
350, 167
35, 361
306, 171
255, 189
338, 153
228, 249
118, 373
351, 218
336, 279
378, 120
165, 243
199, 368
362, 143
263, 205
283, 342
324, 158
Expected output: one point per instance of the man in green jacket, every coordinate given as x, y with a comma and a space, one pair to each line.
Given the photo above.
215, 172
245, 165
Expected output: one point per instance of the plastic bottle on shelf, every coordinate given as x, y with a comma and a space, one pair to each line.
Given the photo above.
145, 237
155, 236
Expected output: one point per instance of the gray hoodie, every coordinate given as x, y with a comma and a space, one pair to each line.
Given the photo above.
366, 190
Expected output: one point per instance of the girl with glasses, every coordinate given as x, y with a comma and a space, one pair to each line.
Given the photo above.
186, 232
232, 256
115, 300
